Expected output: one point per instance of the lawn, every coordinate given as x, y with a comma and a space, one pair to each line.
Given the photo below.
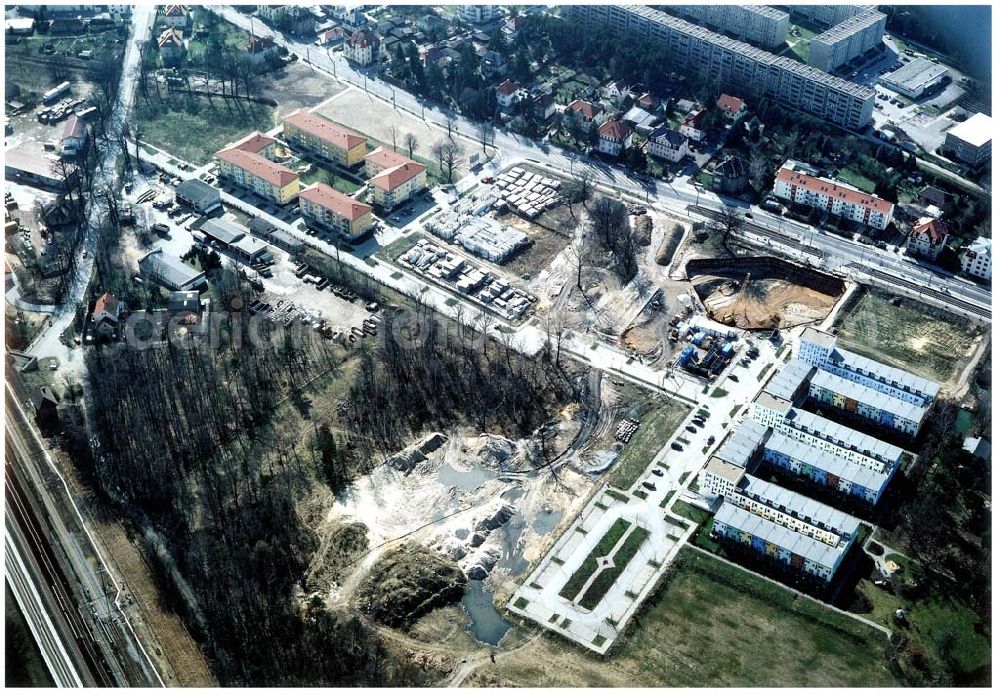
579, 578
193, 128
603, 582
689, 511
912, 336
713, 625
330, 177
654, 429
857, 180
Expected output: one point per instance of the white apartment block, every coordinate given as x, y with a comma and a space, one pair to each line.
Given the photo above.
759, 25
736, 65
829, 15
847, 40
837, 198
478, 14
977, 259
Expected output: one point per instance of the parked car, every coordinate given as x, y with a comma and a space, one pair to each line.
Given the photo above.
649, 486
691, 429
734, 378
676, 446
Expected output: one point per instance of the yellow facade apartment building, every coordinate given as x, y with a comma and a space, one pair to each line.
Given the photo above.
323, 137
334, 210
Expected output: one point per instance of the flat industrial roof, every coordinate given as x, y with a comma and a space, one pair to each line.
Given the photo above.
867, 395
825, 461
811, 511
782, 537
225, 231
915, 74
977, 130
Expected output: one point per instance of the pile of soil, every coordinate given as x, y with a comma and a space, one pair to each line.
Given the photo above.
407, 583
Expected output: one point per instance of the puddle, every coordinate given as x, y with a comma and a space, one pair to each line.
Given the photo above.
468, 481
485, 623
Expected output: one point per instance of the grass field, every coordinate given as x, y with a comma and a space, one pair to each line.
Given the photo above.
606, 579
910, 336
654, 429
857, 180
330, 177
579, 578
714, 625
689, 511
194, 129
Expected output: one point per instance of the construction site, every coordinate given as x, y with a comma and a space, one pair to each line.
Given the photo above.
762, 292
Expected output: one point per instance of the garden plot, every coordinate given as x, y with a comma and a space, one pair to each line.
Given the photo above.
911, 336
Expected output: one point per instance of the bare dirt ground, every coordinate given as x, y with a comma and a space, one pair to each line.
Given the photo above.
765, 303
298, 86
367, 115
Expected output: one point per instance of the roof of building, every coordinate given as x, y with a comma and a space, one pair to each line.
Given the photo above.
860, 363
198, 192
44, 395
259, 44
977, 130
171, 36
106, 303
933, 195
255, 142
742, 442
363, 39
821, 459
866, 395
336, 202
725, 470
226, 231
261, 227
31, 162
75, 127
935, 230
916, 75
249, 245
507, 88
733, 167
324, 128
585, 108
385, 158
797, 543
394, 177
787, 381
175, 11
773, 402
693, 118
615, 130
730, 104
282, 237
803, 507
665, 134
981, 247
834, 190
818, 336
978, 446
331, 34
259, 166
837, 433
170, 268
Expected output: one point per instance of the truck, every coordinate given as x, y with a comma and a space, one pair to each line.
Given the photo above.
55, 93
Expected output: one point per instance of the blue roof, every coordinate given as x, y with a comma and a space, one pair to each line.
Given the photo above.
869, 396
801, 545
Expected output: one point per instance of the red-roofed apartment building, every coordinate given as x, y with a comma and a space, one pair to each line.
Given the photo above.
732, 108
927, 238
793, 184
613, 137
393, 177
246, 163
323, 137
335, 210
107, 311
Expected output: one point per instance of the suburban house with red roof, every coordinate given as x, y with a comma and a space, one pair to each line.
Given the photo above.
733, 108
508, 92
323, 137
260, 49
587, 112
246, 163
334, 210
691, 126
394, 178
795, 182
362, 47
172, 48
927, 238
176, 16
107, 311
613, 137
